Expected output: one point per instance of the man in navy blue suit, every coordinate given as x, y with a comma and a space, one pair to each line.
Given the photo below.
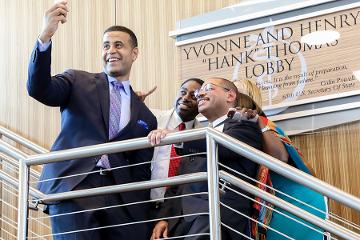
95, 108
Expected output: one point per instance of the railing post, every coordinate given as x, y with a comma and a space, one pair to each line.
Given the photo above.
23, 200
213, 188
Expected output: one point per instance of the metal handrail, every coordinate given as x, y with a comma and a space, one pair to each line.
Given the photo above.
285, 169
113, 147
324, 224
24, 142
181, 179
15, 183
14, 163
189, 135
14, 153
21, 140
221, 138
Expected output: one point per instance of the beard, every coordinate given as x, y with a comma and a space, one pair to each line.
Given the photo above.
187, 114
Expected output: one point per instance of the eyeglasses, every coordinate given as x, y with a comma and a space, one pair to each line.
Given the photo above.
207, 88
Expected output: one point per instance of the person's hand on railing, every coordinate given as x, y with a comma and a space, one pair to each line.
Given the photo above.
155, 136
143, 95
160, 230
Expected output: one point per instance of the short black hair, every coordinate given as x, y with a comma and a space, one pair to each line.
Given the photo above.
198, 80
118, 28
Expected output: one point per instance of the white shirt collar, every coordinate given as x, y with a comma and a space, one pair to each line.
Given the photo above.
176, 120
219, 121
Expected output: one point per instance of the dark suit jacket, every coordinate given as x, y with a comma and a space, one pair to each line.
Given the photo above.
246, 132
84, 103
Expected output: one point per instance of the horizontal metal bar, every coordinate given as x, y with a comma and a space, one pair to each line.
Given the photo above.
11, 151
14, 182
15, 163
106, 148
181, 179
285, 169
21, 140
323, 224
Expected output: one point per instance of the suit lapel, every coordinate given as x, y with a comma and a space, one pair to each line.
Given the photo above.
226, 123
102, 86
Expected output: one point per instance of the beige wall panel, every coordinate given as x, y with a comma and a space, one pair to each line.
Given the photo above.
77, 44
157, 64
334, 154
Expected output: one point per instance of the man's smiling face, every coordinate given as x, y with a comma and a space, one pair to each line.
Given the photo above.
118, 54
186, 104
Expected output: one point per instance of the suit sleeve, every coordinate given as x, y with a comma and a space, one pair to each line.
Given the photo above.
52, 91
246, 132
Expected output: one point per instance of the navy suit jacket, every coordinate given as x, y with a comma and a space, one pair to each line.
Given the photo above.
84, 103
244, 131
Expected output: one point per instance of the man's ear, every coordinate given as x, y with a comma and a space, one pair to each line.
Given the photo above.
231, 96
135, 53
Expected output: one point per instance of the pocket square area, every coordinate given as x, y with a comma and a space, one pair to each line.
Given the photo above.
143, 124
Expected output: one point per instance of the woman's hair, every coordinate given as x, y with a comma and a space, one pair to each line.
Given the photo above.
250, 96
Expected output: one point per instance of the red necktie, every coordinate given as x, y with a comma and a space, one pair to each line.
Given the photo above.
174, 158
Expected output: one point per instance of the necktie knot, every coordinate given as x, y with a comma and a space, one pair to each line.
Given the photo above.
182, 126
117, 85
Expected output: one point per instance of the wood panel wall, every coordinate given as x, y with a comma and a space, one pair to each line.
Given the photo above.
334, 154
77, 44
158, 62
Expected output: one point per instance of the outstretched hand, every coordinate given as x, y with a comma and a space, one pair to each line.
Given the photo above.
55, 14
143, 95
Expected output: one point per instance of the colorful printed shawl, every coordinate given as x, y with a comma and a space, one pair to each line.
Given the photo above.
261, 213
294, 152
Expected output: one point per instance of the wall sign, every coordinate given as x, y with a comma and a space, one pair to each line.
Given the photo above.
284, 68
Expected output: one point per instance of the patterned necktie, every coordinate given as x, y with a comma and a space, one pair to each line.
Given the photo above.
114, 119
174, 158
115, 109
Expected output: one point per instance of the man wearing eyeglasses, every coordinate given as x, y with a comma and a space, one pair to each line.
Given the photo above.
214, 99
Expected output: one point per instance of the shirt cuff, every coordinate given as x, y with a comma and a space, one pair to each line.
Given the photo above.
43, 46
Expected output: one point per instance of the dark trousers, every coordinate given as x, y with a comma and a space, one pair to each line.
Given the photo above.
81, 226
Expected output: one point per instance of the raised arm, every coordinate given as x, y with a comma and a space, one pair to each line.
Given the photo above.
52, 91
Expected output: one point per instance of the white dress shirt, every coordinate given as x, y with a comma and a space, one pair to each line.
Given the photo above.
161, 160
